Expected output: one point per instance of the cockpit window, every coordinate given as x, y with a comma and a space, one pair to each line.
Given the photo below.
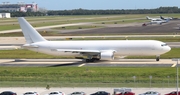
163, 44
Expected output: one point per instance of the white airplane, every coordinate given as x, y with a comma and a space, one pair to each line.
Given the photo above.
147, 17
94, 50
158, 22
168, 18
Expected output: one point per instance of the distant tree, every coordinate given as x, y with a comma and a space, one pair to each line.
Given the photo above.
24, 14
42, 10
81, 11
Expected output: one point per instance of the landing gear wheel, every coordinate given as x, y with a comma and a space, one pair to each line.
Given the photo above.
157, 58
92, 60
87, 60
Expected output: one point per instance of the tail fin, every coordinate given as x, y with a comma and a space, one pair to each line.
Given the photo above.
147, 17
30, 34
161, 17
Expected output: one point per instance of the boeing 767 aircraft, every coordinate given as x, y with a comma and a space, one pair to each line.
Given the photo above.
94, 50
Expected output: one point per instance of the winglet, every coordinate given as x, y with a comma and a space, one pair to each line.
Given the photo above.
30, 34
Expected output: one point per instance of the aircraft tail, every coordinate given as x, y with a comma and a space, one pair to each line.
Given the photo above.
30, 34
147, 17
161, 17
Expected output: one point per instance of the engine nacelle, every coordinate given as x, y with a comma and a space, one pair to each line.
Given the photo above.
107, 55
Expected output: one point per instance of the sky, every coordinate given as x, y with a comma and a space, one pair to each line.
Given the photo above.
99, 4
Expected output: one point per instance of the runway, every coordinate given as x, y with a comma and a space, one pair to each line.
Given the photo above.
81, 63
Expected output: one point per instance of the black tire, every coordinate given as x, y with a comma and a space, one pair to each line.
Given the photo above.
87, 60
92, 60
157, 59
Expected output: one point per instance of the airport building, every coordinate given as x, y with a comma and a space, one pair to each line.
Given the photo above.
20, 6
5, 15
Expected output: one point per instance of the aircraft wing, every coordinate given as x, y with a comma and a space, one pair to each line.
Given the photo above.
78, 51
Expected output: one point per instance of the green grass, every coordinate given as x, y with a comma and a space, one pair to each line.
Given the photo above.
9, 27
86, 76
23, 53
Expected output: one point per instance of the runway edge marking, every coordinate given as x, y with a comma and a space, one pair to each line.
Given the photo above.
81, 65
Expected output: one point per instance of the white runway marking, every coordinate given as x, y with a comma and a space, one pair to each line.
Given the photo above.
174, 65
81, 65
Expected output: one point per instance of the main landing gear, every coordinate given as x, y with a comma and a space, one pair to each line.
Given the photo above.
92, 60
157, 58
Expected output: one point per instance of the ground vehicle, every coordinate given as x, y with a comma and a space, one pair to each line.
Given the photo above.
126, 93
101, 93
78, 93
144, 24
150, 93
31, 93
173, 93
56, 93
123, 91
8, 93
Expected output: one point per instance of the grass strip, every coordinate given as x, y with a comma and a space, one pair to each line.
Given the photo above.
87, 76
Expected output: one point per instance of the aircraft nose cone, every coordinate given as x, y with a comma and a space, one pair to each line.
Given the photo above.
168, 48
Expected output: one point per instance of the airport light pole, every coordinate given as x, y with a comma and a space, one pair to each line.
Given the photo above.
168, 80
177, 83
150, 77
134, 77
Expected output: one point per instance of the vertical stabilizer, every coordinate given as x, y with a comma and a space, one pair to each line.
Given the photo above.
30, 34
161, 17
147, 17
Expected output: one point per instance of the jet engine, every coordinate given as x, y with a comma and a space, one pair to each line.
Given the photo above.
107, 55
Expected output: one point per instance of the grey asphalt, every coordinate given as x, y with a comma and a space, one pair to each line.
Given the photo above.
81, 63
166, 28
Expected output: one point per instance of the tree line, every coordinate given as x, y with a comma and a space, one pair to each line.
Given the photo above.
25, 14
160, 10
